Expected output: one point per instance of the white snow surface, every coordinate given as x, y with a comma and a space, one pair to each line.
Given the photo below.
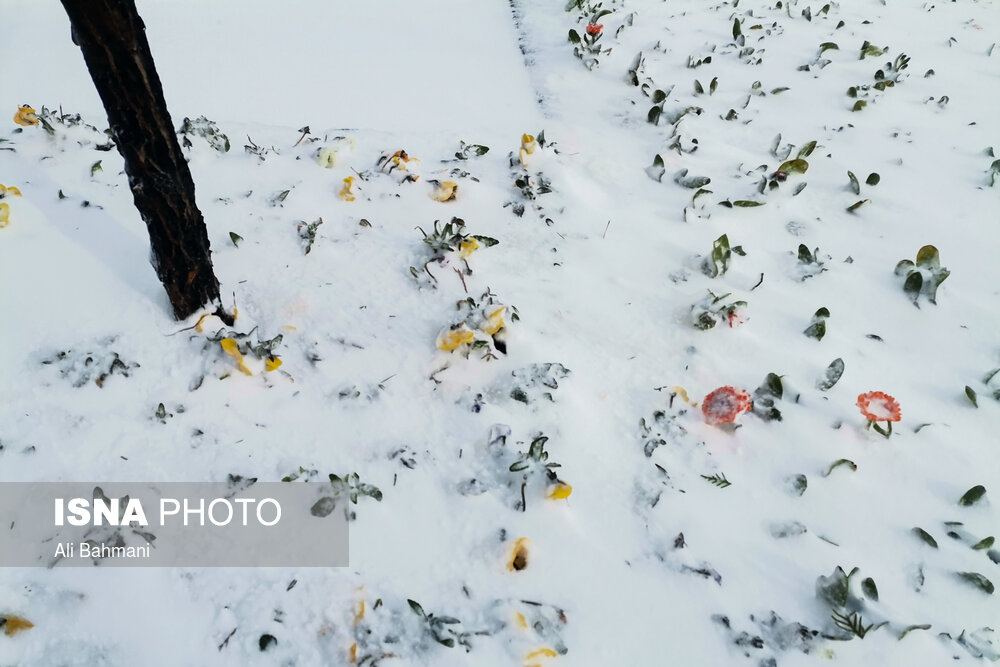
605, 288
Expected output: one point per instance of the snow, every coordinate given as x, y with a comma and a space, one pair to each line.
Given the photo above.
605, 290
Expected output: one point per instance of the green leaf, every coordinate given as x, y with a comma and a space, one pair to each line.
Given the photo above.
855, 186
970, 392
780, 89
574, 37
828, 46
96, 167
868, 49
978, 580
904, 267
823, 312
859, 105
747, 203
836, 588
659, 96
911, 628
796, 166
487, 241
913, 284
417, 609
972, 496
654, 115
858, 204
928, 257
698, 88
772, 384
841, 462
833, 373
713, 85
816, 330
737, 31
869, 589
873, 179
235, 238
926, 537
807, 150
984, 543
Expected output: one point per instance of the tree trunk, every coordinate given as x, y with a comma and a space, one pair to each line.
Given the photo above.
113, 40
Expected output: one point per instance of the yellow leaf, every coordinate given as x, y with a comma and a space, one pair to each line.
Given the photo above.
451, 339
232, 348
353, 653
25, 116
494, 322
347, 192
559, 491
446, 191
272, 364
522, 622
289, 327
519, 555
4, 214
15, 624
9, 191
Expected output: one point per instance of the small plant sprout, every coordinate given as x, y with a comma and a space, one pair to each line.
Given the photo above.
724, 405
587, 47
877, 407
924, 276
399, 164
535, 462
712, 309
717, 263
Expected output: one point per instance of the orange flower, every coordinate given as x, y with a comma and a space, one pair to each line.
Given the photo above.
878, 406
594, 29
724, 405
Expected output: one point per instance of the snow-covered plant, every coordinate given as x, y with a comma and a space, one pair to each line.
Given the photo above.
810, 262
95, 364
207, 130
817, 328
764, 397
346, 487
467, 151
240, 347
307, 234
399, 164
480, 326
924, 276
717, 263
713, 309
449, 242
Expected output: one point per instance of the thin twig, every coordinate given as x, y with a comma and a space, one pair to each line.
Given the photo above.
606, 230
460, 275
758, 283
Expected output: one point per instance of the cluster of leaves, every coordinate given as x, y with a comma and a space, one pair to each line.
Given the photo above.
348, 487
49, 118
717, 263
884, 78
923, 277
817, 328
663, 427
810, 263
765, 395
529, 185
307, 234
712, 309
98, 365
845, 607
449, 239
207, 130
537, 382
476, 312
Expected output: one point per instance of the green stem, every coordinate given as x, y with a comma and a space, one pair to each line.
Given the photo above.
884, 431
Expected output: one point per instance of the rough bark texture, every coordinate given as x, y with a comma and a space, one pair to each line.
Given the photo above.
113, 40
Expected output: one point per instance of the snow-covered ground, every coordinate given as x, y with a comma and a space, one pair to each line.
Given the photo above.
604, 255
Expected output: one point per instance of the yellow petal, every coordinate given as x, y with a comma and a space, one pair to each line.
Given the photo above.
519, 555
272, 364
25, 116
4, 214
289, 327
446, 191
359, 611
451, 339
15, 624
544, 652
347, 192
522, 622
528, 143
353, 653
9, 191
232, 348
467, 247
494, 322
680, 391
559, 491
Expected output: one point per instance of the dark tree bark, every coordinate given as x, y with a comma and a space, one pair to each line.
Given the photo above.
113, 40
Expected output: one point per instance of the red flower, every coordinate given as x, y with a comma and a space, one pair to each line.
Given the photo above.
595, 29
878, 406
724, 405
